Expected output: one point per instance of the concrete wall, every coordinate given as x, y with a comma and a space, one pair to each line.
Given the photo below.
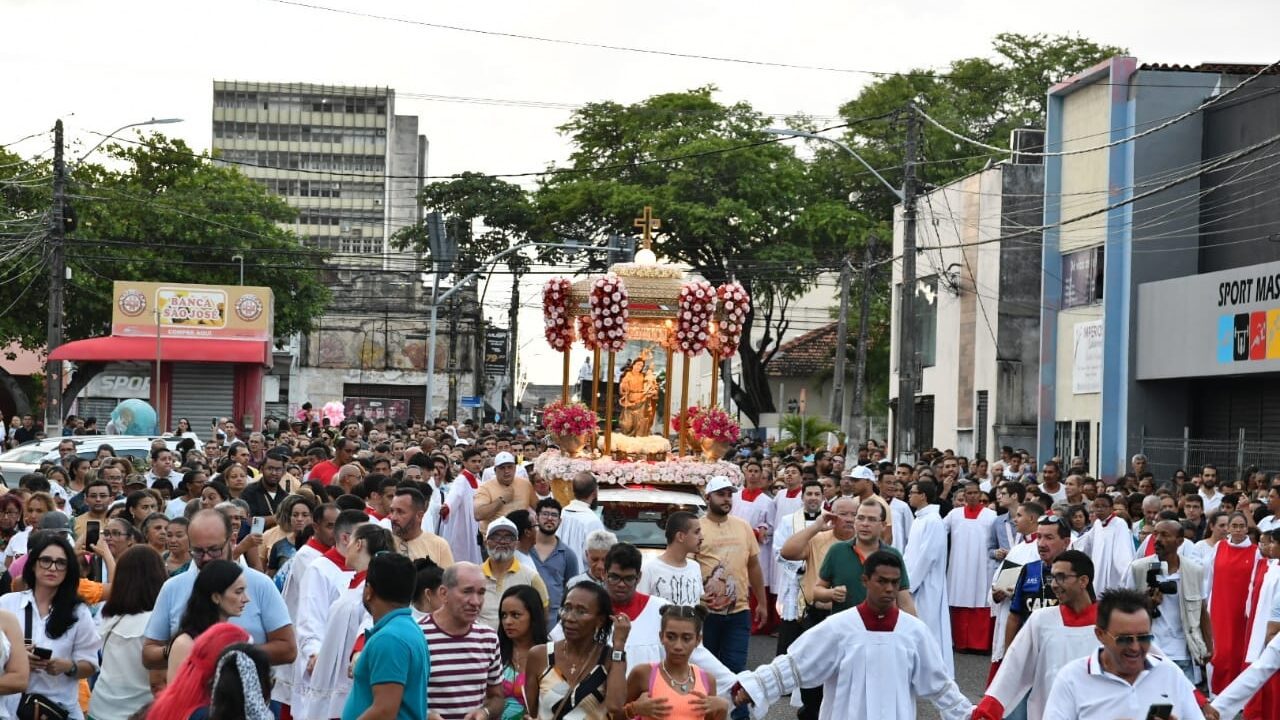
1085, 124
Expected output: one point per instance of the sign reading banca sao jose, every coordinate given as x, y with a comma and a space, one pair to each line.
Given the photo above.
1219, 323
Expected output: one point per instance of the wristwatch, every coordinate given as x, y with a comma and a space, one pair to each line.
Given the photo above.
618, 656
74, 671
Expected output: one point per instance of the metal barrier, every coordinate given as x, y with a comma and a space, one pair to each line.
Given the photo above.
1231, 457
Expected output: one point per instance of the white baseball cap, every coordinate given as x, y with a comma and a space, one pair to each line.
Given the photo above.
720, 482
501, 524
861, 472
504, 458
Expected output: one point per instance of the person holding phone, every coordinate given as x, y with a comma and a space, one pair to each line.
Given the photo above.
59, 633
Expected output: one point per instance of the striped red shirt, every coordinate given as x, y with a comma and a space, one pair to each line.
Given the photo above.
462, 668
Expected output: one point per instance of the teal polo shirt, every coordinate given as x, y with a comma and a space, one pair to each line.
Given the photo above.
395, 651
843, 566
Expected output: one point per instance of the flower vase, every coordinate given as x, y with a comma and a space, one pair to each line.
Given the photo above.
713, 450
570, 445
562, 490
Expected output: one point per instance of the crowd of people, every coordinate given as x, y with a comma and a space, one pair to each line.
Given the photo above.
371, 570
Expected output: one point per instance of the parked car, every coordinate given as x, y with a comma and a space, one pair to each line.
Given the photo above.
638, 514
27, 458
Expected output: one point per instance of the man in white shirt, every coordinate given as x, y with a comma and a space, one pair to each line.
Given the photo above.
1209, 488
891, 489
1272, 521
162, 467
1123, 678
671, 575
578, 519
1050, 482
1109, 544
926, 565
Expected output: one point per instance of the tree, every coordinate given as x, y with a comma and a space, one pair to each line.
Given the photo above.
807, 430
169, 214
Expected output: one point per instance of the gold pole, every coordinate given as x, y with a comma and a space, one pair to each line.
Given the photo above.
595, 381
608, 409
684, 404
564, 383
715, 379
666, 409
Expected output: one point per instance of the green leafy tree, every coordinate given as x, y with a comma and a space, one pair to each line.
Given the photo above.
807, 430
167, 214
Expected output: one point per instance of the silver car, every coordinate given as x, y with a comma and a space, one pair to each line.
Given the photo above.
638, 514
27, 458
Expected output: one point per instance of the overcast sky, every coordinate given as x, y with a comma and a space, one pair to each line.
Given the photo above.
99, 65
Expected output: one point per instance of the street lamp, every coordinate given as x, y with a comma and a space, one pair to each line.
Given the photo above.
240, 259
837, 383
108, 136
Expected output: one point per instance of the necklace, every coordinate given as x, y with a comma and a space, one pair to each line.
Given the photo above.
682, 686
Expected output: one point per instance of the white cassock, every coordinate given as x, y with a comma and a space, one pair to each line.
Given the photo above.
926, 560
1020, 554
460, 528
783, 505
1268, 594
431, 519
969, 569
323, 585
902, 517
1231, 701
1044, 645
577, 521
282, 690
759, 514
875, 675
644, 646
326, 692
1110, 546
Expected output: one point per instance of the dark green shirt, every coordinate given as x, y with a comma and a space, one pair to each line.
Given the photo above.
843, 566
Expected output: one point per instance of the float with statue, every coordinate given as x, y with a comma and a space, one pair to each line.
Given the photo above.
628, 317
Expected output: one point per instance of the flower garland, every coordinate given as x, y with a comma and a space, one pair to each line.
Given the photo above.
558, 326
715, 424
734, 306
609, 312
587, 332
697, 303
673, 471
568, 418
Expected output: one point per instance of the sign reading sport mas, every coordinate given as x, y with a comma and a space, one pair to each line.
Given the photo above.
224, 312
1254, 335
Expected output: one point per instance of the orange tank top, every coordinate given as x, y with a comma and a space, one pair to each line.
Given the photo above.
681, 707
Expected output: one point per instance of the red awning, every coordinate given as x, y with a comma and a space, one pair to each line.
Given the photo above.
112, 349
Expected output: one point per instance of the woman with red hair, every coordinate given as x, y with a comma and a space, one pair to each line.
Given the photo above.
190, 688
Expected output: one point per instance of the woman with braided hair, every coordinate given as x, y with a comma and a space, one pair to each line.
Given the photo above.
242, 674
190, 688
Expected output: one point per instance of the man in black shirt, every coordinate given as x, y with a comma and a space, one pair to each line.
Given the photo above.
26, 432
266, 495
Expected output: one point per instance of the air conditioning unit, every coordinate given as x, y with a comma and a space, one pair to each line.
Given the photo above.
1026, 140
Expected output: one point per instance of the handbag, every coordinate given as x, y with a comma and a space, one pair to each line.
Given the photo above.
37, 706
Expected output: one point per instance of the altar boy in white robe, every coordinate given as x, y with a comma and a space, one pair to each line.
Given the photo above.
926, 562
1109, 544
969, 572
872, 661
458, 524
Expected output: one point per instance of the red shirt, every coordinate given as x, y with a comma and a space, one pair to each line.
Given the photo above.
324, 472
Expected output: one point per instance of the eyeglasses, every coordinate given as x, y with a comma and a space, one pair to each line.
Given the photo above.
1130, 640
501, 539
617, 579
213, 552
1059, 578
114, 533
51, 563
549, 514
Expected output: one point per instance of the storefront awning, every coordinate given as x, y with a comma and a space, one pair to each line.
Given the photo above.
207, 350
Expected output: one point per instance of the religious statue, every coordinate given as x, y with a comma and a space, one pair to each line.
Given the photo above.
638, 397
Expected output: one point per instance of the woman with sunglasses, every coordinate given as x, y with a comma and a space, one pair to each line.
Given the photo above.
219, 594
64, 640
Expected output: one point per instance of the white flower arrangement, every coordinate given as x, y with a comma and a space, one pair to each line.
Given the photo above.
648, 271
674, 471
651, 445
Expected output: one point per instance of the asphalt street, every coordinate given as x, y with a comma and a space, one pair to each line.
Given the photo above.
971, 674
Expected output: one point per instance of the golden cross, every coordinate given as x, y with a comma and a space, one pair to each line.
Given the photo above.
647, 223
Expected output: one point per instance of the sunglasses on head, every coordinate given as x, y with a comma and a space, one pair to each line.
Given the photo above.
1058, 520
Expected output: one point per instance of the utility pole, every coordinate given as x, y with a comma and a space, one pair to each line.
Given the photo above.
842, 339
57, 276
453, 359
858, 425
513, 336
903, 439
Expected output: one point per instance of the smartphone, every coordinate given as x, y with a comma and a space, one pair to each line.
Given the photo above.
259, 526
42, 652
91, 534
1160, 712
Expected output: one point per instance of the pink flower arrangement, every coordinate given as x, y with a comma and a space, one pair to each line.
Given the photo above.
673, 471
587, 332
693, 322
734, 306
568, 418
558, 326
715, 424
609, 312
678, 422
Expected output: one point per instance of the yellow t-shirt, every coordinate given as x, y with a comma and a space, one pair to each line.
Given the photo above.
727, 548
427, 545
521, 491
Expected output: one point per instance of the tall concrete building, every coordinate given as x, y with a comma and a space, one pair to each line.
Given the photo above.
353, 168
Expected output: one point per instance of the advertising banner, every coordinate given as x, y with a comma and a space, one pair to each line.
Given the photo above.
376, 408
223, 312
495, 351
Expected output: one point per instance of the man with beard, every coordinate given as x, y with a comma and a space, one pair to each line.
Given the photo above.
1052, 637
1209, 488
555, 562
503, 569
465, 682
926, 566
756, 508
408, 507
1182, 628
730, 561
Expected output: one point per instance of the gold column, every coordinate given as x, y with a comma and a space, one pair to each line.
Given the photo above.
608, 409
564, 383
595, 381
684, 404
715, 379
666, 405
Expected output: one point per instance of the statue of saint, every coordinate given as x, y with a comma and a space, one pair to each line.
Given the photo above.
638, 398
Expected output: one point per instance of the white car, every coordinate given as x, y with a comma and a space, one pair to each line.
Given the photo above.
638, 514
27, 458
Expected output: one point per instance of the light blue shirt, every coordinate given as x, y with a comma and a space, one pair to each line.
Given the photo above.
265, 613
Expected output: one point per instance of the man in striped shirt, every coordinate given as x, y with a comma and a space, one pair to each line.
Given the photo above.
466, 665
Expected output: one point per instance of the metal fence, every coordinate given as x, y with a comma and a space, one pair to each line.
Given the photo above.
1231, 457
